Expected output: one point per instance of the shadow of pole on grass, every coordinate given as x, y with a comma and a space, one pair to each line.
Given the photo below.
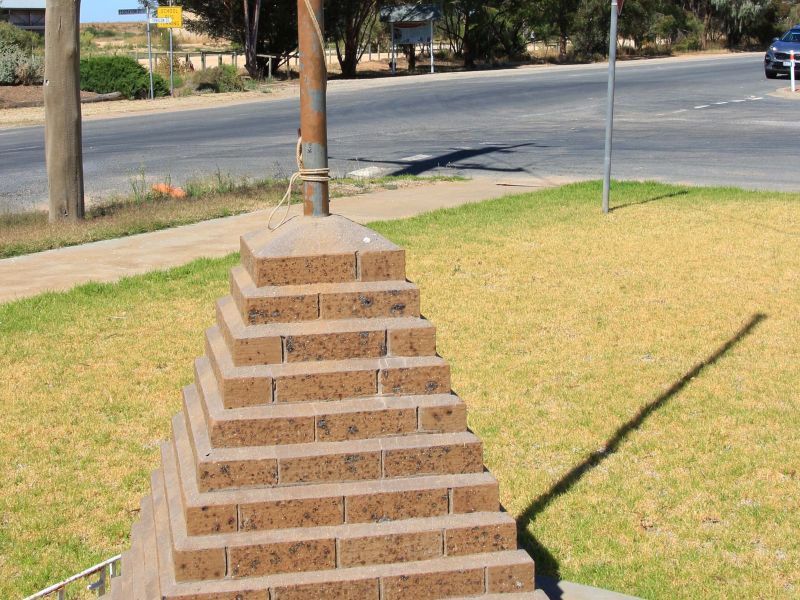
545, 561
649, 200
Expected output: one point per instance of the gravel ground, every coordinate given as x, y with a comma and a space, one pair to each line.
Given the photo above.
15, 96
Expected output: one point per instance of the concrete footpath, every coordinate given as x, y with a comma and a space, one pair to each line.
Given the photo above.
111, 260
564, 590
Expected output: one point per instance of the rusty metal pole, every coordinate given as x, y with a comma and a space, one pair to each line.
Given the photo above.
313, 106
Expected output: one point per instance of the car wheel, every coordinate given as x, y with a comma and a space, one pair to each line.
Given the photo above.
770, 74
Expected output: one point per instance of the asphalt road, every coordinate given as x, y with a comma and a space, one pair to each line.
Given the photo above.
702, 121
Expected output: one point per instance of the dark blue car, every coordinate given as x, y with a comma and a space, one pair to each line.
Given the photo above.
776, 61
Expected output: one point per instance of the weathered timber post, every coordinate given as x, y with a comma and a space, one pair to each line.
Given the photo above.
62, 106
313, 108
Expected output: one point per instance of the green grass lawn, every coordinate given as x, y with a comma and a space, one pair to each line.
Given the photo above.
634, 378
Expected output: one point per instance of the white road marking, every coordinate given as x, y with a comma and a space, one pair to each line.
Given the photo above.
722, 103
675, 112
416, 158
367, 173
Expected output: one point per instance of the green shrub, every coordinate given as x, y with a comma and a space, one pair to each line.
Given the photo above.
8, 64
19, 67
106, 74
87, 41
105, 33
219, 79
26, 41
30, 71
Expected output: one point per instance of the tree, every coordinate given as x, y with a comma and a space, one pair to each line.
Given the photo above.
270, 26
350, 23
483, 30
62, 106
557, 15
252, 19
590, 37
743, 18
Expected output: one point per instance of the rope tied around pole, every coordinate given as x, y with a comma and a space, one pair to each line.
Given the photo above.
312, 175
322, 175
316, 24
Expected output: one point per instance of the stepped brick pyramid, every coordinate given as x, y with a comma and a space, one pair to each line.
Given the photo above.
320, 452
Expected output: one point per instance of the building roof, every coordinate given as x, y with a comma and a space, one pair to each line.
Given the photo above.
23, 4
411, 13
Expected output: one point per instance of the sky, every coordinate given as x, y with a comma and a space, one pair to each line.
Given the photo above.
106, 10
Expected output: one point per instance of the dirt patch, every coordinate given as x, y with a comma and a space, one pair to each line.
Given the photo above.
21, 96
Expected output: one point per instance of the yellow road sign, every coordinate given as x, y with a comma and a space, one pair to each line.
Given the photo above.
171, 12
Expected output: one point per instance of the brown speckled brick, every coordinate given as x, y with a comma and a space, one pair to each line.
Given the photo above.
325, 386
429, 586
481, 498
295, 270
481, 539
312, 512
357, 466
443, 419
387, 549
416, 380
267, 432
382, 266
510, 579
255, 351
211, 519
412, 341
247, 350
341, 590
335, 346
393, 506
237, 595
349, 305
368, 424
194, 565
281, 309
246, 391
236, 391
439, 459
230, 474
282, 557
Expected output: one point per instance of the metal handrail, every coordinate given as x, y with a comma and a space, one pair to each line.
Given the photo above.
99, 586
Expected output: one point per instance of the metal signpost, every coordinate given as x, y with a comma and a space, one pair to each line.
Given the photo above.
143, 11
170, 17
612, 60
150, 54
433, 62
394, 52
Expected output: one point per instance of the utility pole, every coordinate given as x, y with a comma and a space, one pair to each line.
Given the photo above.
612, 60
62, 108
313, 108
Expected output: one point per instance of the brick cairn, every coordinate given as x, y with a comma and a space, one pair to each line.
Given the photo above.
320, 452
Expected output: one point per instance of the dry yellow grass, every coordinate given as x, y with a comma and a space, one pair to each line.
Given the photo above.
211, 198
562, 326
